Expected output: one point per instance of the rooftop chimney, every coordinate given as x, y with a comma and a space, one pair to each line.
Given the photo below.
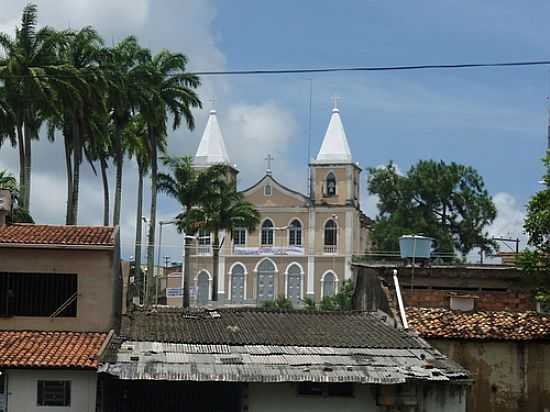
5, 205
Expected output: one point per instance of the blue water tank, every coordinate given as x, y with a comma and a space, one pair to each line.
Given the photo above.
419, 247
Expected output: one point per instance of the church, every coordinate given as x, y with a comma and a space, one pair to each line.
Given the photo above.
304, 244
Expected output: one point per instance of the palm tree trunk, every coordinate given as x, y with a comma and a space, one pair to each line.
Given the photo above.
105, 181
153, 211
69, 167
186, 271
77, 153
119, 158
137, 253
21, 146
27, 181
215, 262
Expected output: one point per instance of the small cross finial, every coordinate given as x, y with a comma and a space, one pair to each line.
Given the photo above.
335, 100
212, 102
268, 160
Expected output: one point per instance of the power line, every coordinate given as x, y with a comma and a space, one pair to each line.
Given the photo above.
371, 68
321, 69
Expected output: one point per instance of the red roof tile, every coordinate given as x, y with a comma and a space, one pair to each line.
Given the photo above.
503, 325
19, 349
31, 234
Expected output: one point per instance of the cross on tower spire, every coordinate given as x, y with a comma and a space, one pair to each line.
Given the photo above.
268, 160
335, 100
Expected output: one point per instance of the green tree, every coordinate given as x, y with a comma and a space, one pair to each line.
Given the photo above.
188, 185
170, 95
135, 136
82, 108
18, 214
33, 78
448, 202
536, 261
223, 208
127, 89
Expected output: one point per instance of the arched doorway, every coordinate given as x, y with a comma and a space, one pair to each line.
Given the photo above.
294, 284
265, 282
203, 286
237, 284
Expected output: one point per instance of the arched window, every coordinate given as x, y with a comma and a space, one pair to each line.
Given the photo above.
265, 286
239, 236
331, 184
237, 284
294, 284
329, 284
295, 233
331, 236
267, 233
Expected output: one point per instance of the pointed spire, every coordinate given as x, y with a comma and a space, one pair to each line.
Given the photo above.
335, 146
211, 149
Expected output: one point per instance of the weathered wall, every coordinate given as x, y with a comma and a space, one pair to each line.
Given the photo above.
97, 301
22, 390
486, 300
509, 376
284, 397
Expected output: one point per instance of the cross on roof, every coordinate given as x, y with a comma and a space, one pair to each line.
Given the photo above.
335, 100
268, 160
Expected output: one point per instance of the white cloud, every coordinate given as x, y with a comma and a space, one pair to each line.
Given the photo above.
510, 217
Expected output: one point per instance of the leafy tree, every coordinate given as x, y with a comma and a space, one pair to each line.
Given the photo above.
170, 94
223, 208
448, 202
188, 185
136, 143
536, 261
18, 214
33, 79
341, 301
281, 303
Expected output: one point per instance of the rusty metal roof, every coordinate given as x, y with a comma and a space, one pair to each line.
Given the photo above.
138, 360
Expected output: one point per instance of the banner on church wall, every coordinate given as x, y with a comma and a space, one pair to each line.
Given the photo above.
268, 250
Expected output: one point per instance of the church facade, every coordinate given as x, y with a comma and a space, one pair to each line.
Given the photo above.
304, 243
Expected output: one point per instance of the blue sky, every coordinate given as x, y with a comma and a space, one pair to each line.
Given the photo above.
492, 119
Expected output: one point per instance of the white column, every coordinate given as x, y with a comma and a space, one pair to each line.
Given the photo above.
221, 268
311, 252
349, 244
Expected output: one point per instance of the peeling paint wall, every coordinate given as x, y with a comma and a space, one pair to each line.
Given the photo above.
509, 376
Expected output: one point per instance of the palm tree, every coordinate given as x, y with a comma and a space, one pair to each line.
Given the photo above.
127, 89
223, 209
82, 109
7, 120
33, 78
172, 95
188, 185
135, 136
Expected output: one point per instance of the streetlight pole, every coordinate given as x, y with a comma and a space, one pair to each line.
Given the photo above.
157, 278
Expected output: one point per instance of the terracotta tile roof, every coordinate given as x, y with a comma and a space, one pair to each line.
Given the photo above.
503, 325
247, 326
31, 234
21, 349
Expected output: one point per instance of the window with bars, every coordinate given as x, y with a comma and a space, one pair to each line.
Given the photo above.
53, 393
38, 294
239, 236
267, 233
295, 233
331, 233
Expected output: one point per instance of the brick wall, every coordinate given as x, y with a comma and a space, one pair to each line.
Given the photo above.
513, 301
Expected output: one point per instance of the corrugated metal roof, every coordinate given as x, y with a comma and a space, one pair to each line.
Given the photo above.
265, 363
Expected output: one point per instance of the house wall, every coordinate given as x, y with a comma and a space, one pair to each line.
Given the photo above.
284, 397
22, 389
509, 376
98, 302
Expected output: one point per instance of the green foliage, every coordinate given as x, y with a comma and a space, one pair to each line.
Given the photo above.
536, 262
341, 301
309, 304
18, 214
448, 202
281, 303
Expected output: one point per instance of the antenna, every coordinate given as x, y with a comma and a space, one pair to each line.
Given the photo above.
308, 183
